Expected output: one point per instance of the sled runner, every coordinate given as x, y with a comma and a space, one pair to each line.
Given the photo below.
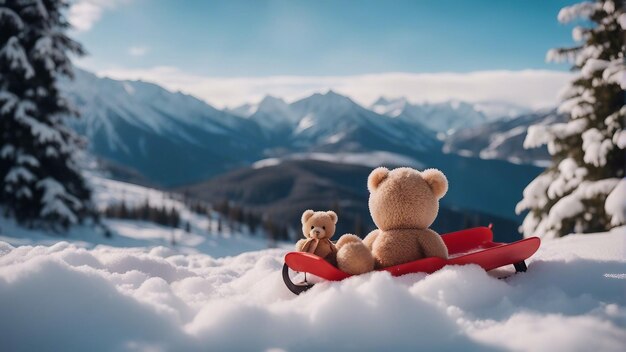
471, 246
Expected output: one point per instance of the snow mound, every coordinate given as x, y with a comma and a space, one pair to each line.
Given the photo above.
64, 297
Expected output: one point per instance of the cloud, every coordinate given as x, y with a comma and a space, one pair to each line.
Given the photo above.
530, 88
83, 14
137, 51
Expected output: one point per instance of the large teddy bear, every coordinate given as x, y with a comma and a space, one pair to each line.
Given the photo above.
403, 203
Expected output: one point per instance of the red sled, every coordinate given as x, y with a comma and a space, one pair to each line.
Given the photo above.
471, 246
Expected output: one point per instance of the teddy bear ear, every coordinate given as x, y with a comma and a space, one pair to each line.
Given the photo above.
377, 176
307, 215
332, 215
437, 181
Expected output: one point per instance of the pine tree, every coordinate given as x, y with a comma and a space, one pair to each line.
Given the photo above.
219, 225
41, 184
584, 190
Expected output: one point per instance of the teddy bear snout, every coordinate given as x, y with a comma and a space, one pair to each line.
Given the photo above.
317, 233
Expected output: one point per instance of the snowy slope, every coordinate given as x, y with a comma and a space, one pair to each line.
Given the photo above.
271, 113
64, 297
332, 122
139, 125
202, 237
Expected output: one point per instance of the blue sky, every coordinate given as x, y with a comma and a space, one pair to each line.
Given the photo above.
233, 51
278, 37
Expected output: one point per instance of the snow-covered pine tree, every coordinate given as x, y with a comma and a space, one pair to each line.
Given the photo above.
585, 189
40, 182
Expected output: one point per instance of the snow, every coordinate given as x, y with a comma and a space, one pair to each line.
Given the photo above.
446, 116
498, 109
128, 88
103, 103
26, 159
307, 122
44, 50
570, 176
593, 65
615, 72
57, 201
64, 297
272, 113
266, 163
609, 6
202, 238
18, 173
9, 16
580, 10
596, 147
372, 159
40, 130
578, 33
539, 135
7, 151
535, 194
16, 57
492, 150
390, 107
619, 138
615, 204
571, 205
622, 20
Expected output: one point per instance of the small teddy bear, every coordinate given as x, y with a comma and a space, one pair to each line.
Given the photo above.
318, 227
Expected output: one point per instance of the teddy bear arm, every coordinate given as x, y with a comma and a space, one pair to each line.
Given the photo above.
432, 244
324, 249
300, 244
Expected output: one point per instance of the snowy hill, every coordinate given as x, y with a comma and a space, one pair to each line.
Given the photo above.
447, 116
203, 234
140, 125
64, 297
284, 187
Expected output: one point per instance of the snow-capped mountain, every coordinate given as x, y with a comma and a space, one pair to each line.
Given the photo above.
244, 110
174, 139
170, 138
274, 115
502, 139
495, 110
333, 122
446, 116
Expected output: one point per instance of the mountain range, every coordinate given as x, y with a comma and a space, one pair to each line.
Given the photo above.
140, 129
158, 133
502, 139
447, 117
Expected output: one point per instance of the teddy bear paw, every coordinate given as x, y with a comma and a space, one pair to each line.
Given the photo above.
347, 238
355, 258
